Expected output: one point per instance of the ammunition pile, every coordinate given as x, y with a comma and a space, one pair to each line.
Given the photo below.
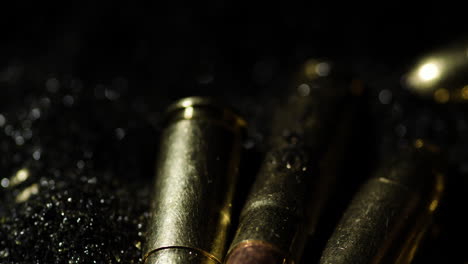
385, 220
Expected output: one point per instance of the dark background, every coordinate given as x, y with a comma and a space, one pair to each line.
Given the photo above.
122, 63
171, 44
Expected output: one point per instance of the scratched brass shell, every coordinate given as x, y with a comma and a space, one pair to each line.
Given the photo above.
196, 173
290, 190
390, 214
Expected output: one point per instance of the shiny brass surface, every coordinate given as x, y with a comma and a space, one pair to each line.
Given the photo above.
390, 213
441, 74
196, 173
275, 220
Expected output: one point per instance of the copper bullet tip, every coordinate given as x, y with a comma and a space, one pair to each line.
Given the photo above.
256, 252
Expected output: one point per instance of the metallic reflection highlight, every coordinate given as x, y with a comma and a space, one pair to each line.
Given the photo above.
428, 72
196, 173
25, 194
19, 177
441, 74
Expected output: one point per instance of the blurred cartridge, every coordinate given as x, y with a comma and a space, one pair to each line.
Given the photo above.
196, 174
391, 212
439, 75
389, 215
280, 211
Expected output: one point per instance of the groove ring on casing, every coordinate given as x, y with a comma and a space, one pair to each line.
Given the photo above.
203, 252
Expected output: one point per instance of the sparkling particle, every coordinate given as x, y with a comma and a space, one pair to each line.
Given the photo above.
303, 89
68, 100
35, 113
20, 176
429, 71
385, 96
27, 193
419, 143
8, 130
37, 154
19, 140
44, 102
322, 69
2, 120
5, 182
117, 258
310, 69
138, 244
442, 96
4, 253
111, 94
119, 133
52, 85
92, 180
464, 92
249, 143
80, 164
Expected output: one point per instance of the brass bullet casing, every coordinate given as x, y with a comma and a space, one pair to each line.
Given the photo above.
275, 220
196, 173
389, 215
